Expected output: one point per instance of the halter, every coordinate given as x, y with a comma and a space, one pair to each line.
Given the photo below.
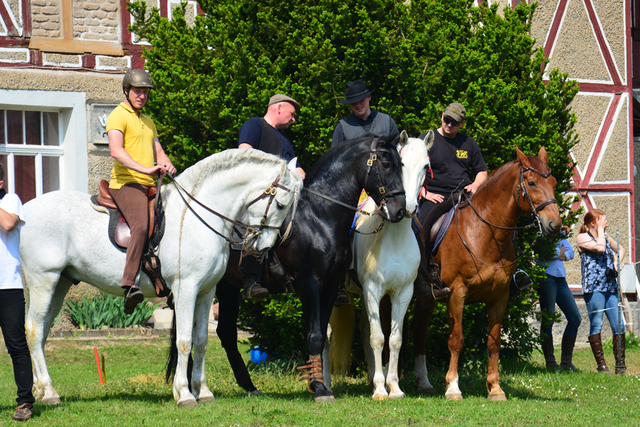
252, 231
371, 163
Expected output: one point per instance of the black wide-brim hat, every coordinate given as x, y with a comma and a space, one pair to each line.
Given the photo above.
355, 92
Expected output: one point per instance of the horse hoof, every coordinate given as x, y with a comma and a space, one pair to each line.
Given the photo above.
255, 392
498, 397
454, 396
208, 399
324, 399
428, 390
51, 401
396, 396
379, 397
191, 403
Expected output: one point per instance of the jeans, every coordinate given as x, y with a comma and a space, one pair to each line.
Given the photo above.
599, 303
555, 290
12, 321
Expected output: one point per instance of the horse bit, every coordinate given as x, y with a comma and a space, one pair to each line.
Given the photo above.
372, 162
252, 231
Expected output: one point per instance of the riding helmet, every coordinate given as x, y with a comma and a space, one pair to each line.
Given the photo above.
137, 78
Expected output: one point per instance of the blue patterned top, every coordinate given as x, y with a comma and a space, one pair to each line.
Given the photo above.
594, 265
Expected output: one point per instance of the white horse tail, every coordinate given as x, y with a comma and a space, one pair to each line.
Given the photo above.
342, 321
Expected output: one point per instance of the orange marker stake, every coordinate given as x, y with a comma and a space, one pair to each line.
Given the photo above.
95, 350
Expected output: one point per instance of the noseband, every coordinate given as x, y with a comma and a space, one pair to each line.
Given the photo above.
252, 231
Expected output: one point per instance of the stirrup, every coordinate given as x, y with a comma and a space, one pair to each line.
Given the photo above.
521, 279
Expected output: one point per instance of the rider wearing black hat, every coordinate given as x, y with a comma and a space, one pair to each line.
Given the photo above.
364, 121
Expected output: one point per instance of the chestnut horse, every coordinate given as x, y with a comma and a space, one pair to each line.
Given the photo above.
477, 258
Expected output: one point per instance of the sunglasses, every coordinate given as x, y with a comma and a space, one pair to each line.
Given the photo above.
451, 122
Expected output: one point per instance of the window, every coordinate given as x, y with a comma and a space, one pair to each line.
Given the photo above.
33, 151
43, 142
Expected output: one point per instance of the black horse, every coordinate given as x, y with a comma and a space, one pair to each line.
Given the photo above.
318, 253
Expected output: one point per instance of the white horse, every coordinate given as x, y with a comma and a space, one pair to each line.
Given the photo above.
387, 262
65, 241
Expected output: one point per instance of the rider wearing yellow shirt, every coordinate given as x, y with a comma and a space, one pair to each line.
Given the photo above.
139, 157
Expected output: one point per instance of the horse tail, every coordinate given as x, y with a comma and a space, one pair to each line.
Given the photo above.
172, 360
342, 321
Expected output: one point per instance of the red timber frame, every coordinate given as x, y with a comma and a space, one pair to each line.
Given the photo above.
583, 183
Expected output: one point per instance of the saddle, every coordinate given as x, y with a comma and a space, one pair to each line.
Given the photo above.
120, 233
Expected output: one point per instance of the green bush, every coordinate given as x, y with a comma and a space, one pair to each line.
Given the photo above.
107, 310
419, 56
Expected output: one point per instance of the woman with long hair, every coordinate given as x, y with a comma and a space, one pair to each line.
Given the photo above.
599, 256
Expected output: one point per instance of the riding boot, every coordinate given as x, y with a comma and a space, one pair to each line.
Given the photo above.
547, 350
425, 293
342, 298
250, 267
566, 359
252, 290
618, 352
596, 346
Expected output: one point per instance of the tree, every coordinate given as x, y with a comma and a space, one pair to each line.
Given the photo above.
419, 56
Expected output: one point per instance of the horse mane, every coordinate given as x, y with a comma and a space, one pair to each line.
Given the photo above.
497, 174
226, 160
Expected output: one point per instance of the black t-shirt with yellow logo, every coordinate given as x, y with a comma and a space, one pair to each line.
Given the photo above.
455, 162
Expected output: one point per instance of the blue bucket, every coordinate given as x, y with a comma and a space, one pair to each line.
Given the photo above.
257, 356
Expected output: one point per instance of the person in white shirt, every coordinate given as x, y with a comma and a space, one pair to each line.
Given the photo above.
12, 303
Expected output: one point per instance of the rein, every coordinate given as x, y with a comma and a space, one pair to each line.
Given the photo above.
534, 211
251, 230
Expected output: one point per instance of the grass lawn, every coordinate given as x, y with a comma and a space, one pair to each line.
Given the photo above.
135, 394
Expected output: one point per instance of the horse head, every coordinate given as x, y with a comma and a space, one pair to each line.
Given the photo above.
383, 177
536, 191
415, 162
268, 209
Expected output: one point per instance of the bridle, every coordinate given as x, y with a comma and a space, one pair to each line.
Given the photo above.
534, 211
252, 231
372, 164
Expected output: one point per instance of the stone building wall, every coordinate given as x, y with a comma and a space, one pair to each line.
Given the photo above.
96, 20
46, 18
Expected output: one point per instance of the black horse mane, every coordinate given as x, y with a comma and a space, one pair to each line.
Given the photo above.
327, 163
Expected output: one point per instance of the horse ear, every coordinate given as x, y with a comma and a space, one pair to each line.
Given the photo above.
292, 164
542, 154
404, 138
429, 139
524, 160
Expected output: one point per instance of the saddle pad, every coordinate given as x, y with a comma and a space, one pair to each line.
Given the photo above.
443, 230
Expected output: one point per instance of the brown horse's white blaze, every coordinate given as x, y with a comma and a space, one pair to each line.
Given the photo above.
478, 258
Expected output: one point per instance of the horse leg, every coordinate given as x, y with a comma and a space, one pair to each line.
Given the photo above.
46, 296
421, 318
456, 341
376, 338
326, 356
495, 314
399, 304
316, 312
199, 386
227, 331
184, 312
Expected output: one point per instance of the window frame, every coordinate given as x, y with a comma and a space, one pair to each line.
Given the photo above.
72, 128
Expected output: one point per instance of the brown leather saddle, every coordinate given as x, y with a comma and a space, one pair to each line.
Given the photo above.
120, 233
